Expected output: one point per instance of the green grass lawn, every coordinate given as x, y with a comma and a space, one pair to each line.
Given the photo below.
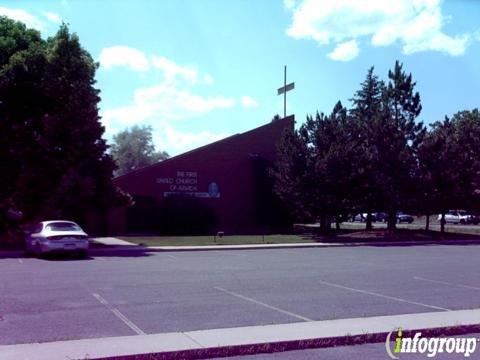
211, 240
349, 232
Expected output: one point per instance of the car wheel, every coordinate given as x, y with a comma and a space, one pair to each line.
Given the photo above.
83, 254
462, 222
38, 251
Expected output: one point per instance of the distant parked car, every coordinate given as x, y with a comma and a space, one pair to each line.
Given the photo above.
381, 217
358, 217
363, 217
459, 217
401, 217
474, 219
56, 236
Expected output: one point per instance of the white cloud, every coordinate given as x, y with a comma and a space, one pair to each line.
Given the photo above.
137, 60
416, 24
345, 51
165, 137
169, 99
162, 104
173, 103
157, 106
171, 70
439, 42
22, 16
248, 102
208, 79
164, 101
52, 17
123, 56
173, 98
289, 4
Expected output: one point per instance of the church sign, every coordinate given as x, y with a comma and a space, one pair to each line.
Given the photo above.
185, 183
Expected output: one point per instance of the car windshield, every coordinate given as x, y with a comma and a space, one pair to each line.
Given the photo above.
63, 226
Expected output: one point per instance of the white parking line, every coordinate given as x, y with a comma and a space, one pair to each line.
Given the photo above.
446, 283
262, 303
382, 296
117, 313
170, 256
20, 261
253, 339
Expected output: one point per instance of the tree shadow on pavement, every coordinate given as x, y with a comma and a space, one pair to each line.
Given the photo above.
92, 254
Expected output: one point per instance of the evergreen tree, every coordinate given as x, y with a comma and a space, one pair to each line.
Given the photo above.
291, 176
450, 164
436, 157
315, 167
367, 111
467, 126
398, 136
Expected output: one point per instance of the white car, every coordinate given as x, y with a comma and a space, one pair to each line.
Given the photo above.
56, 236
456, 217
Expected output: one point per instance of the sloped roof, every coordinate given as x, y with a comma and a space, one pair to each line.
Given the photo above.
204, 147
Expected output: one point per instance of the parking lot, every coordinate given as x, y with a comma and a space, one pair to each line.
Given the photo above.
128, 293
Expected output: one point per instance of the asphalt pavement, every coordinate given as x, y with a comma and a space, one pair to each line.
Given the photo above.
137, 292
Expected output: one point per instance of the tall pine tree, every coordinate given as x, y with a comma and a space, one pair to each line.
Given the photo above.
398, 136
367, 111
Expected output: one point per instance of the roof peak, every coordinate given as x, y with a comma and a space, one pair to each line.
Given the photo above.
274, 122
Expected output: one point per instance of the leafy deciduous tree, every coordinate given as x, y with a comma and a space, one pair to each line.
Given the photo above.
133, 148
53, 160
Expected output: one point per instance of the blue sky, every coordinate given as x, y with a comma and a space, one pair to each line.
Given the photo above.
199, 70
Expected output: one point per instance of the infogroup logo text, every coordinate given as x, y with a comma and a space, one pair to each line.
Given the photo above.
430, 346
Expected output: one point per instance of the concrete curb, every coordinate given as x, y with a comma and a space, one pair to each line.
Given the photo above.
243, 247
111, 241
94, 249
310, 245
289, 245
281, 346
250, 339
102, 247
